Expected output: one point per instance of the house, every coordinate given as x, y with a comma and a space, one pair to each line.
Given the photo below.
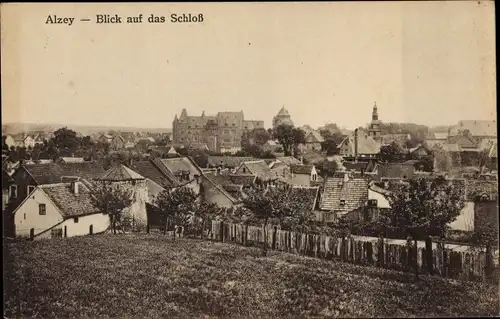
478, 129
185, 170
419, 152
105, 138
304, 175
27, 177
313, 141
388, 171
343, 195
9, 140
125, 178
231, 162
288, 160
257, 168
59, 210
7, 181
493, 155
117, 143
220, 190
71, 160
436, 138
399, 139
272, 146
359, 146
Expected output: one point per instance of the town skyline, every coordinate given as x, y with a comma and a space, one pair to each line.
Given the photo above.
431, 74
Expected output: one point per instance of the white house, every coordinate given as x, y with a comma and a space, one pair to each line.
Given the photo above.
59, 210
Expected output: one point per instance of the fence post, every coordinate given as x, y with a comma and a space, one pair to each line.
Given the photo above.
275, 231
221, 230
429, 260
380, 257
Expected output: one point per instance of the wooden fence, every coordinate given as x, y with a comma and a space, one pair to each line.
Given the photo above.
447, 261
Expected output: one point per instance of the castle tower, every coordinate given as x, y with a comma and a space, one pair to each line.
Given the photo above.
375, 124
123, 177
282, 118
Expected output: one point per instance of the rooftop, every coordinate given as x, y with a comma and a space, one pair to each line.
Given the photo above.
69, 203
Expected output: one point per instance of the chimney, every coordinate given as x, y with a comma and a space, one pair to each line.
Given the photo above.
302, 160
74, 187
346, 177
355, 145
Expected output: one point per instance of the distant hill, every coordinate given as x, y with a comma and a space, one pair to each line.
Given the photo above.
15, 128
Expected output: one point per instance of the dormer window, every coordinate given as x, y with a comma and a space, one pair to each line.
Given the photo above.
342, 202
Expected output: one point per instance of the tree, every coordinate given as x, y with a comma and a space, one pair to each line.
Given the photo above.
113, 200
176, 207
421, 209
259, 136
327, 168
278, 204
266, 205
66, 138
391, 153
205, 213
289, 137
329, 146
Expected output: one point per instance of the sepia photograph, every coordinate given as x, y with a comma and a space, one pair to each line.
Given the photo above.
249, 160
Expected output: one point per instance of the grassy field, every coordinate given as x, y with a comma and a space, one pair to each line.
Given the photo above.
151, 276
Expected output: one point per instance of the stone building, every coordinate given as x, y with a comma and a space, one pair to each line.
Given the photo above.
283, 117
221, 133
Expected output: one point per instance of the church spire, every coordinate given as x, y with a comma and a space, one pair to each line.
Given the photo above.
375, 112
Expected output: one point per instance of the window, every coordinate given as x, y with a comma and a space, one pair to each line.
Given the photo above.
342, 202
75, 220
25, 216
42, 209
30, 189
314, 177
13, 191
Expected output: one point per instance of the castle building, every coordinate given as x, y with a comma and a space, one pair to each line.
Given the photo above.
375, 130
282, 118
221, 133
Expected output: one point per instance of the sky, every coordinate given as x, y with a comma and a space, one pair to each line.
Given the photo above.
429, 63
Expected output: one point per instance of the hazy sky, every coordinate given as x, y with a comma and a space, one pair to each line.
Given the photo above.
425, 62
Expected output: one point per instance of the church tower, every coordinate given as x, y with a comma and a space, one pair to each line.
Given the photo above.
282, 118
375, 124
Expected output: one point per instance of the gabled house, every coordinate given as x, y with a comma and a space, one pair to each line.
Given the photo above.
303, 175
257, 168
59, 210
419, 152
117, 143
221, 190
359, 146
288, 160
478, 129
343, 195
71, 160
27, 177
399, 139
231, 162
313, 141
